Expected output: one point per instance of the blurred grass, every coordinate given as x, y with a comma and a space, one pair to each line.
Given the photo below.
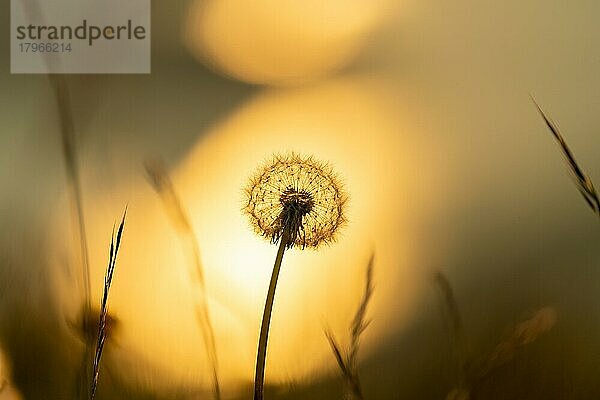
347, 360
161, 182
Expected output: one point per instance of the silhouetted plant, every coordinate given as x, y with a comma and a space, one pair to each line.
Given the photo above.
115, 243
348, 362
293, 201
520, 335
160, 181
454, 323
583, 182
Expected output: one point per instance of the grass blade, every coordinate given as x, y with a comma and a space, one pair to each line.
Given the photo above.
454, 322
519, 336
582, 181
160, 181
348, 362
115, 244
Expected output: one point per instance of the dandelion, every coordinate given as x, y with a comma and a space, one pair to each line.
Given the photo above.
295, 202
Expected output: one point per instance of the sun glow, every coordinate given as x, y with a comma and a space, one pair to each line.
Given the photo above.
281, 42
346, 121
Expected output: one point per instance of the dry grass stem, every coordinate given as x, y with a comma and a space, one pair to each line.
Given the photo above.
69, 146
522, 334
519, 336
160, 181
454, 322
60, 88
582, 181
348, 361
115, 243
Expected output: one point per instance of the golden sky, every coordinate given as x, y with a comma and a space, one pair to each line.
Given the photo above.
422, 107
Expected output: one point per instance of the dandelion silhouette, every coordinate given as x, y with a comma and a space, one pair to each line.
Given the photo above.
293, 201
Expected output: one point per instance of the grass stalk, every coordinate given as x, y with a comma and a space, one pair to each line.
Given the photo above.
115, 243
582, 181
348, 363
524, 333
69, 147
520, 335
69, 150
160, 181
454, 324
62, 96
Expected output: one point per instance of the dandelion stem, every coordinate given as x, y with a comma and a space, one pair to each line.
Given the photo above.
261, 357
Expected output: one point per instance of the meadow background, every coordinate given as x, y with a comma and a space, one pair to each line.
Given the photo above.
424, 109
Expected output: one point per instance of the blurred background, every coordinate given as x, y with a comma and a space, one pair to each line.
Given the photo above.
422, 107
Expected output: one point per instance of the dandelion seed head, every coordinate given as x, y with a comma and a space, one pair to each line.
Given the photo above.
297, 194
